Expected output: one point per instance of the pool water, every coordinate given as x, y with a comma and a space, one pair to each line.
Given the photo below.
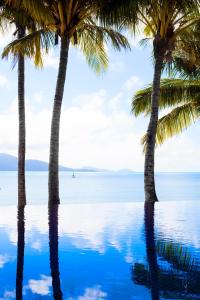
89, 251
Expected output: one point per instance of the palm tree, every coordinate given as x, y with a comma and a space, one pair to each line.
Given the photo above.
181, 94
25, 19
164, 22
76, 24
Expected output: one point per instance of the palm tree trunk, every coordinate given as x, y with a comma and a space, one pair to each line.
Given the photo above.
149, 181
55, 125
22, 127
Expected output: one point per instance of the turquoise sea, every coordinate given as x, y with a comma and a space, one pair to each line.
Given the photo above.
101, 243
98, 187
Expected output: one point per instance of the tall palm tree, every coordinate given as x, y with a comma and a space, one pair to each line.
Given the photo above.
76, 24
181, 94
164, 22
25, 18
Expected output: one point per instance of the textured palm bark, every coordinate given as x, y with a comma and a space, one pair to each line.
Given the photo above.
55, 125
22, 128
53, 250
151, 250
149, 178
20, 253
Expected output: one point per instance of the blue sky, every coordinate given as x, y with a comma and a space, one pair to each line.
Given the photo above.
97, 128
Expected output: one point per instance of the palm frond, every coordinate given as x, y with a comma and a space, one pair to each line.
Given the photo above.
35, 8
92, 38
31, 45
172, 92
175, 122
93, 50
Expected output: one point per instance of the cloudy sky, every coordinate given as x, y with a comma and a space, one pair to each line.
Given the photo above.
97, 128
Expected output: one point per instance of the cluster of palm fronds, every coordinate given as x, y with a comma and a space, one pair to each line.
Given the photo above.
180, 94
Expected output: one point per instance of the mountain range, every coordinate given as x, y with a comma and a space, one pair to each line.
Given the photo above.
9, 163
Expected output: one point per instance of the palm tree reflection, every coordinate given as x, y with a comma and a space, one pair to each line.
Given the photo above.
171, 270
20, 251
53, 246
151, 249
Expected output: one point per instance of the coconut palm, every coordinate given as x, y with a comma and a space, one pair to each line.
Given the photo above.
76, 24
164, 21
25, 19
180, 95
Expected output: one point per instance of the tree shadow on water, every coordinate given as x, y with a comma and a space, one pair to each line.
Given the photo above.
20, 252
53, 247
171, 271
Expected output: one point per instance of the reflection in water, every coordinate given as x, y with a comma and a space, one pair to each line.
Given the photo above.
53, 246
178, 274
20, 252
99, 243
151, 249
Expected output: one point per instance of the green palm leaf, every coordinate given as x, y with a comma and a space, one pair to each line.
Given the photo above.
31, 46
175, 122
173, 92
91, 39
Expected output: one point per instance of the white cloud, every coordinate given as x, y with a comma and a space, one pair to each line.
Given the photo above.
38, 97
51, 60
132, 83
40, 286
108, 135
3, 81
7, 36
117, 66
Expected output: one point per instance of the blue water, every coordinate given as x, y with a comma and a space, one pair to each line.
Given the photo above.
101, 187
97, 244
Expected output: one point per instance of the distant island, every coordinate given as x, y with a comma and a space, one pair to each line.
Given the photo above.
9, 163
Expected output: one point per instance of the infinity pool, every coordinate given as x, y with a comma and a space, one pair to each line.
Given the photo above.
100, 251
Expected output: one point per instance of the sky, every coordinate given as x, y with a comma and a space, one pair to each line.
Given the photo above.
97, 127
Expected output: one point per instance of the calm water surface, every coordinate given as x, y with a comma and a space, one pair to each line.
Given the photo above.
100, 244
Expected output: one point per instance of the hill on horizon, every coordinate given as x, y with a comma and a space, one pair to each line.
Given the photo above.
10, 163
